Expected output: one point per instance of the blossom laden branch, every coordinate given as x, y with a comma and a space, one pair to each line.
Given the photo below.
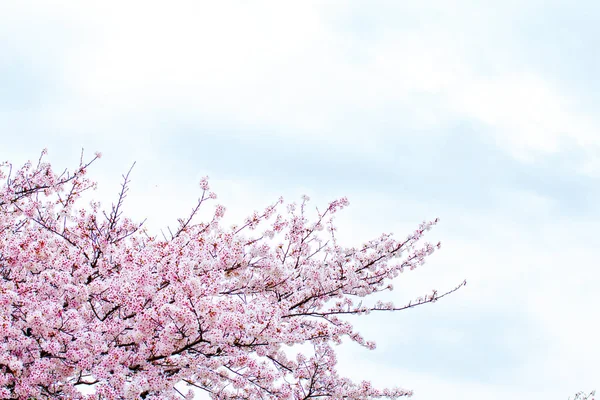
92, 301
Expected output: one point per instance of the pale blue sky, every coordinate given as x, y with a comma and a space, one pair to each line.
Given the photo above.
481, 113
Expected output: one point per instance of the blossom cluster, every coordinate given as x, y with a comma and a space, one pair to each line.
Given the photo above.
89, 299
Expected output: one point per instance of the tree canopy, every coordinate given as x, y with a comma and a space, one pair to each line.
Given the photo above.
88, 298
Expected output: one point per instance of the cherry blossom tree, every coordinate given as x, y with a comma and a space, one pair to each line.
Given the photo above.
90, 299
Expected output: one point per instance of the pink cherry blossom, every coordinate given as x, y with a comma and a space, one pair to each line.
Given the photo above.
89, 299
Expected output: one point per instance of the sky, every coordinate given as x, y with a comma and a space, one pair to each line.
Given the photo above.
480, 113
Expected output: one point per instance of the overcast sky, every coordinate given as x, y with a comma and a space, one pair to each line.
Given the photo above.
481, 113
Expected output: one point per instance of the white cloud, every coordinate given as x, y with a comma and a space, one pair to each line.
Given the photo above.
284, 65
526, 113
